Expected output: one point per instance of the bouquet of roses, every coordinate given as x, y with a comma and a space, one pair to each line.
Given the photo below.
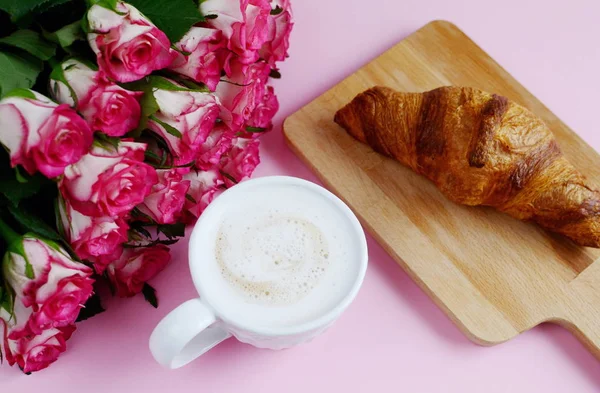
120, 122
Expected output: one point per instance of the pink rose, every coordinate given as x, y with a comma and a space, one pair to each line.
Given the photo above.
278, 41
112, 110
264, 111
50, 288
41, 135
244, 23
165, 201
241, 161
127, 45
245, 93
102, 261
203, 62
217, 143
192, 114
204, 186
106, 106
109, 181
91, 237
36, 353
135, 267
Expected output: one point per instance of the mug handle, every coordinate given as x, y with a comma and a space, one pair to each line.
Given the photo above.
187, 332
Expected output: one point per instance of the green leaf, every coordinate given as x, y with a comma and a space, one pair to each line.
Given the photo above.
137, 213
20, 8
15, 191
31, 42
106, 140
138, 228
168, 128
33, 223
150, 295
23, 93
174, 17
18, 71
152, 155
58, 204
109, 4
58, 74
20, 176
29, 270
7, 297
172, 230
152, 82
228, 176
92, 307
190, 198
194, 86
275, 74
277, 10
66, 35
211, 16
149, 107
255, 129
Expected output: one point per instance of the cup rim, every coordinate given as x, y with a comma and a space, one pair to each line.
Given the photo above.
312, 325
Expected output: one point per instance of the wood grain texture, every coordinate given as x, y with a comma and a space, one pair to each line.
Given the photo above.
493, 275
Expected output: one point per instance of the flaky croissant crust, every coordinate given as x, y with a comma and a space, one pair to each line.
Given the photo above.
479, 149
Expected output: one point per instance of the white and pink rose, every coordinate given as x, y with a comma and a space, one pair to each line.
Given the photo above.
218, 142
37, 352
166, 199
109, 181
135, 267
128, 46
92, 238
50, 288
245, 24
41, 135
244, 92
241, 160
184, 121
106, 106
202, 57
275, 49
204, 187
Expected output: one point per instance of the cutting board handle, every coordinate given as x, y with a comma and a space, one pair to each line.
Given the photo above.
584, 310
587, 331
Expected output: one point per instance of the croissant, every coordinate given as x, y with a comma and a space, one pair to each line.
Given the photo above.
479, 149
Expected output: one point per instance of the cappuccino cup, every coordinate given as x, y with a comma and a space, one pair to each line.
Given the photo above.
275, 260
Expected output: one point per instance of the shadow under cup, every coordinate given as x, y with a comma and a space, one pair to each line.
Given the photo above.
275, 260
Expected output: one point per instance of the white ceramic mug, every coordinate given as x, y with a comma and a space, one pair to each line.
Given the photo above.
198, 325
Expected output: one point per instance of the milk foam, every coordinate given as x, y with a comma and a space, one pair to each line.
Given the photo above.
281, 256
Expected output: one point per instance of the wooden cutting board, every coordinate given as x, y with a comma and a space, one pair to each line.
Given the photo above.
493, 275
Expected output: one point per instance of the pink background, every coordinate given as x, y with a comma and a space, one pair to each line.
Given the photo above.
393, 338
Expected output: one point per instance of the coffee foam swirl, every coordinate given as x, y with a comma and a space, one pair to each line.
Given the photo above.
276, 260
